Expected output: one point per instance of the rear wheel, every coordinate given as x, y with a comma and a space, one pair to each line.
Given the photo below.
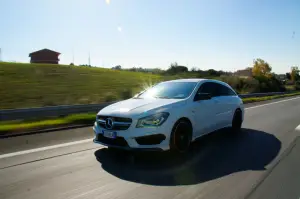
181, 137
237, 121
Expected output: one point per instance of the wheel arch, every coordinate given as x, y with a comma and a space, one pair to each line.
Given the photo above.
185, 119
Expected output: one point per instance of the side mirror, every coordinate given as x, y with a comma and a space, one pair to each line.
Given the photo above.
202, 96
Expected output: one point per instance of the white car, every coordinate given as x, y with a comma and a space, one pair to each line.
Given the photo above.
169, 115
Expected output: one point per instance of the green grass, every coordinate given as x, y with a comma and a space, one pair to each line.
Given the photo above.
86, 118
258, 99
38, 85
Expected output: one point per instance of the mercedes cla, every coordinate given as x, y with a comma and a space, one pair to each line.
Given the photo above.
169, 116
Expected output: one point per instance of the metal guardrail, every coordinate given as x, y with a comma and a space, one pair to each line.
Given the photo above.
55, 111
49, 111
262, 94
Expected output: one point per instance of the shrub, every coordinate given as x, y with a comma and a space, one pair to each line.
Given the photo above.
297, 86
242, 85
269, 84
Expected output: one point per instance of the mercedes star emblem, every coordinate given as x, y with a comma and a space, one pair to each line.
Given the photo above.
109, 123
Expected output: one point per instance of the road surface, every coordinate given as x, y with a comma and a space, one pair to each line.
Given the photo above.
260, 162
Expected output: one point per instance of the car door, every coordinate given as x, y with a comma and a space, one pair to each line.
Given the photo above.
204, 111
223, 103
228, 99
218, 106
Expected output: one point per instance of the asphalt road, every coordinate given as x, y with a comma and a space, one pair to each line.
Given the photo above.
260, 162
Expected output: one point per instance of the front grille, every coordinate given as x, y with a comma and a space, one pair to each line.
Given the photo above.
118, 141
117, 119
120, 123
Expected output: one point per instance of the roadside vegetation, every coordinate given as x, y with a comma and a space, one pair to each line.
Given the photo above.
38, 85
29, 125
19, 126
259, 99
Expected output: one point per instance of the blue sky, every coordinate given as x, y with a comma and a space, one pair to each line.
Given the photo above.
219, 34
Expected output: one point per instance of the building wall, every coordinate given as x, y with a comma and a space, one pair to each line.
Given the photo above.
244, 73
44, 57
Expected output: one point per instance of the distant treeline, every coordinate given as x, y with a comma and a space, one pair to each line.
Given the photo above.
260, 79
176, 69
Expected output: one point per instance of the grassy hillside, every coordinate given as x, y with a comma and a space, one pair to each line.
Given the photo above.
36, 85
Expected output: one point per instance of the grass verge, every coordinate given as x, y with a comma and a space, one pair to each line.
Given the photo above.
24, 126
86, 118
258, 99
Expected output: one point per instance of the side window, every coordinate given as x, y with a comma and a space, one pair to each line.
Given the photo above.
215, 89
225, 91
208, 87
231, 93
219, 91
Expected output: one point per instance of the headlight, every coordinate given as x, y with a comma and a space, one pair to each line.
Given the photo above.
152, 120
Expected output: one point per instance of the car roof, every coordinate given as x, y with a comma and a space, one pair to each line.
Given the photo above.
187, 80
198, 80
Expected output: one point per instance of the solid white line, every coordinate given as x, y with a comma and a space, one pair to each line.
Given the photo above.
272, 103
44, 148
298, 128
90, 140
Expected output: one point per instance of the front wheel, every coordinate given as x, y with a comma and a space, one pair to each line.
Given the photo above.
181, 137
237, 121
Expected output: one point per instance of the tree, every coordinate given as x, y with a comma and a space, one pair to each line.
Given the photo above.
213, 73
118, 67
175, 69
194, 69
295, 74
261, 68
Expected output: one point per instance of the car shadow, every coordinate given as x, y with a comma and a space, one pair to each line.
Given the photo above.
213, 156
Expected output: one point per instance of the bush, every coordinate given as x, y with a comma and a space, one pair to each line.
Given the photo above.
242, 85
250, 85
269, 84
297, 86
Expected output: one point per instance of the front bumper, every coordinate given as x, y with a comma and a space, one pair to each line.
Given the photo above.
138, 139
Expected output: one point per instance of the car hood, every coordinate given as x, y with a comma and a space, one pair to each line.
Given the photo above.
134, 107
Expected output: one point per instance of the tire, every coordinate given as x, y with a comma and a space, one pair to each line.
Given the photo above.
237, 121
181, 137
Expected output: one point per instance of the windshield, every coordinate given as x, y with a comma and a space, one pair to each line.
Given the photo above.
169, 90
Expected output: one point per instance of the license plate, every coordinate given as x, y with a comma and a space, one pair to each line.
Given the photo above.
109, 134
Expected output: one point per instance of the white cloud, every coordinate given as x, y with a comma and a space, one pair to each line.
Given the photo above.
107, 2
119, 28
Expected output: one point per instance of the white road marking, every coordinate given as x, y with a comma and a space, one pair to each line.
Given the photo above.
90, 140
298, 129
271, 103
44, 148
